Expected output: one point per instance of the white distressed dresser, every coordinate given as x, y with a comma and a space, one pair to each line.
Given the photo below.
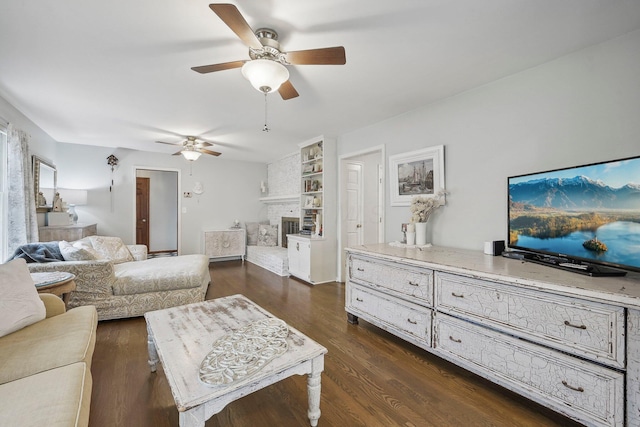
568, 341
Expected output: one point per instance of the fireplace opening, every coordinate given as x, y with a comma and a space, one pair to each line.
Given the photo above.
289, 225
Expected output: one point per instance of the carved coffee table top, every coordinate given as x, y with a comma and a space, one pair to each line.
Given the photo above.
241, 354
184, 336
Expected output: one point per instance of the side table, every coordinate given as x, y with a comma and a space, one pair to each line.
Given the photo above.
59, 283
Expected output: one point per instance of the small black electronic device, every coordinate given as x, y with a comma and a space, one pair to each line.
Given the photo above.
494, 248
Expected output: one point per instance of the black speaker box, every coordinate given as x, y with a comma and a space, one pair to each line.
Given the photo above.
494, 248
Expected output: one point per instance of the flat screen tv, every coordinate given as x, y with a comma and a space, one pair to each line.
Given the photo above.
583, 218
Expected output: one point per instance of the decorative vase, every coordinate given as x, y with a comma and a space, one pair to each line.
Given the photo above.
411, 238
421, 233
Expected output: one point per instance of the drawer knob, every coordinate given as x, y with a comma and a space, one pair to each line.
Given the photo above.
359, 299
414, 283
360, 269
413, 322
567, 385
567, 323
457, 295
455, 340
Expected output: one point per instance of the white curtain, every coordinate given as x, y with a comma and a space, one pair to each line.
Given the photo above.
23, 221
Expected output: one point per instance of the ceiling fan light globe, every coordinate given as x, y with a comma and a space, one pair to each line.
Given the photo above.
191, 155
265, 75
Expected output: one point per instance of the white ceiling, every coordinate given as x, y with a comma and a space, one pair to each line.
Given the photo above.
117, 73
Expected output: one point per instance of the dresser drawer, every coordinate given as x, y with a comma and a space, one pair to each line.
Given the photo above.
583, 390
403, 279
400, 316
588, 329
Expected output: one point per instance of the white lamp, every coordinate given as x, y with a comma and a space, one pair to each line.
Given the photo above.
73, 198
265, 75
190, 154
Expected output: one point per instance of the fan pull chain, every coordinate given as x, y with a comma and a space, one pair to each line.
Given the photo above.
265, 128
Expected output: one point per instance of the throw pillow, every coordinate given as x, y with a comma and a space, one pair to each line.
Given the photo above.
267, 235
111, 248
252, 232
20, 304
77, 251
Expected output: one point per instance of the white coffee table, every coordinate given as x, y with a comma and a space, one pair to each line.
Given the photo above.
181, 337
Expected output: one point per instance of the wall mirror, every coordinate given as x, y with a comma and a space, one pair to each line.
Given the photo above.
45, 177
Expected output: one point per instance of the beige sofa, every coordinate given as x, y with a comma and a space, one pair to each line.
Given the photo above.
45, 378
132, 287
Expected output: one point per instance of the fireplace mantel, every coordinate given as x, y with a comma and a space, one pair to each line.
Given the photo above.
287, 198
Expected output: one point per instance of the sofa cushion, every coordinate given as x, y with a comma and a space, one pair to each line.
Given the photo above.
160, 274
111, 248
20, 304
267, 235
78, 251
55, 398
56, 341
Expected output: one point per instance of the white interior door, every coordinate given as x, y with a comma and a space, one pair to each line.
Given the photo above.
354, 204
362, 204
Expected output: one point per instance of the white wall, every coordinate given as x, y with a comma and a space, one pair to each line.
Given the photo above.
231, 190
578, 109
41, 143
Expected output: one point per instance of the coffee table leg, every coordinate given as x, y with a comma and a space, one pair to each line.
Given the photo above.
194, 417
153, 353
313, 389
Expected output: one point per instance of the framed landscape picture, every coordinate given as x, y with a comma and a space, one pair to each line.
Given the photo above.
416, 173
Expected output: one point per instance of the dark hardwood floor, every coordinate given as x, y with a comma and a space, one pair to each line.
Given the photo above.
371, 378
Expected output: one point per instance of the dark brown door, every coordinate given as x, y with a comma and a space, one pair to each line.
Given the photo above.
142, 211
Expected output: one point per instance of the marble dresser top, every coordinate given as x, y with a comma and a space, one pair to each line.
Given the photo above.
623, 291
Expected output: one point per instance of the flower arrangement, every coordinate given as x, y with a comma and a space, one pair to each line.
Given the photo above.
422, 207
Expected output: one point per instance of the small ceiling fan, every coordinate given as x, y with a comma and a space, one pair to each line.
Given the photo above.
192, 148
266, 70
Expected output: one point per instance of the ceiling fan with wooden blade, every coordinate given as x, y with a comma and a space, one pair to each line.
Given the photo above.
266, 69
192, 148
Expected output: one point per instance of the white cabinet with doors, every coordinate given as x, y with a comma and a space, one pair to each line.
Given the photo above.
309, 261
299, 251
224, 244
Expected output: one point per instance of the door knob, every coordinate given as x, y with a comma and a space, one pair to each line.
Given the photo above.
144, 220
359, 226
